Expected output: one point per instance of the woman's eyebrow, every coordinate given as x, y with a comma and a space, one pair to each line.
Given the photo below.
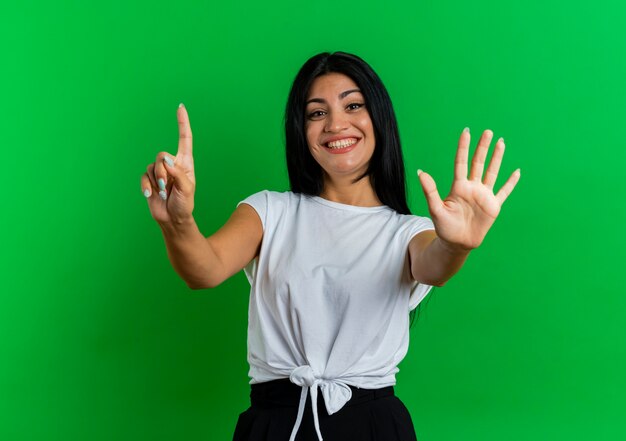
342, 95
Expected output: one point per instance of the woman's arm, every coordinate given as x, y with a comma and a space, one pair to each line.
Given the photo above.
169, 186
206, 262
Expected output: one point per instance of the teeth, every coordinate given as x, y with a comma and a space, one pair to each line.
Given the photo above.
342, 143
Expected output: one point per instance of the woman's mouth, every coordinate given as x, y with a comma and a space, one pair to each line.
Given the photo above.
341, 145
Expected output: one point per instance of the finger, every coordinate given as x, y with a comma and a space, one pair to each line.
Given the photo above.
508, 186
478, 161
146, 186
430, 191
494, 165
460, 162
160, 174
184, 133
174, 170
153, 183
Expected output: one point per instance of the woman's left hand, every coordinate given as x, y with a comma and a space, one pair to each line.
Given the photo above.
463, 218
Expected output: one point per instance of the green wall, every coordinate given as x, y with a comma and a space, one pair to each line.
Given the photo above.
100, 339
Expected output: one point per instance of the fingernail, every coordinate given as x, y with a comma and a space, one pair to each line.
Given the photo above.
501, 139
161, 184
168, 161
147, 193
466, 130
163, 195
419, 172
181, 105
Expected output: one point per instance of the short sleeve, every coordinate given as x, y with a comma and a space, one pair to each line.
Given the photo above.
419, 224
419, 291
258, 201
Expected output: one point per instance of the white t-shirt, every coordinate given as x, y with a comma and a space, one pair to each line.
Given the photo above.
330, 296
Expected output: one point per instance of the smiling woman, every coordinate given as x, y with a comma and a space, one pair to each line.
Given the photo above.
332, 97
336, 264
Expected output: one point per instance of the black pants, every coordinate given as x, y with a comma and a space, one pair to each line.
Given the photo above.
370, 415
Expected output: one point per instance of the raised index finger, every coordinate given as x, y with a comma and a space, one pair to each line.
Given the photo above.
184, 132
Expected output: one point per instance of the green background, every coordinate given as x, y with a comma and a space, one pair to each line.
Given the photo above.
101, 340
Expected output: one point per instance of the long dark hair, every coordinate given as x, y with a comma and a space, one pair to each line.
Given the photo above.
386, 168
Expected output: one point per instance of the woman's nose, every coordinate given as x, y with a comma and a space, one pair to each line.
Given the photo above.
335, 122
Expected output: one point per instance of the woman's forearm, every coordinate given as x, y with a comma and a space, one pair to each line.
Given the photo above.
438, 262
190, 253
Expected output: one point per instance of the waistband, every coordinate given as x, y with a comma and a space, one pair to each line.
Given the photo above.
284, 393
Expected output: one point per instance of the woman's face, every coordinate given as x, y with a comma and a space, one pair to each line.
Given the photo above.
338, 127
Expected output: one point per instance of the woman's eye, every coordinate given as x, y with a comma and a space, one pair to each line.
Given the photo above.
354, 106
316, 114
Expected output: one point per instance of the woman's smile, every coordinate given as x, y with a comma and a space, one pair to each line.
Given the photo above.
343, 145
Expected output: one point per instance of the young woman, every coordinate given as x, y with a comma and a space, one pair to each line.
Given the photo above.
335, 264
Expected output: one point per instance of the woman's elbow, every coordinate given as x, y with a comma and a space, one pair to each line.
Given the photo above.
439, 283
203, 284
431, 281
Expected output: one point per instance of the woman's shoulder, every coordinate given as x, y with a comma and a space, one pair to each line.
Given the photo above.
411, 217
275, 195
273, 198
414, 222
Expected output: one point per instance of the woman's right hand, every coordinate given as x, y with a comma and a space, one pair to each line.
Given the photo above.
172, 202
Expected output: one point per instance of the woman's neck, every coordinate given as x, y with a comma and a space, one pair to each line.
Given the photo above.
343, 191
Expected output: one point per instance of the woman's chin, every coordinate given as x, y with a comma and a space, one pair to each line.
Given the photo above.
345, 170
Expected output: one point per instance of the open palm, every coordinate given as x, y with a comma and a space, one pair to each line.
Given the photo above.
465, 216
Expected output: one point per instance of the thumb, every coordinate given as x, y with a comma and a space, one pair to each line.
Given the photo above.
430, 191
180, 181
